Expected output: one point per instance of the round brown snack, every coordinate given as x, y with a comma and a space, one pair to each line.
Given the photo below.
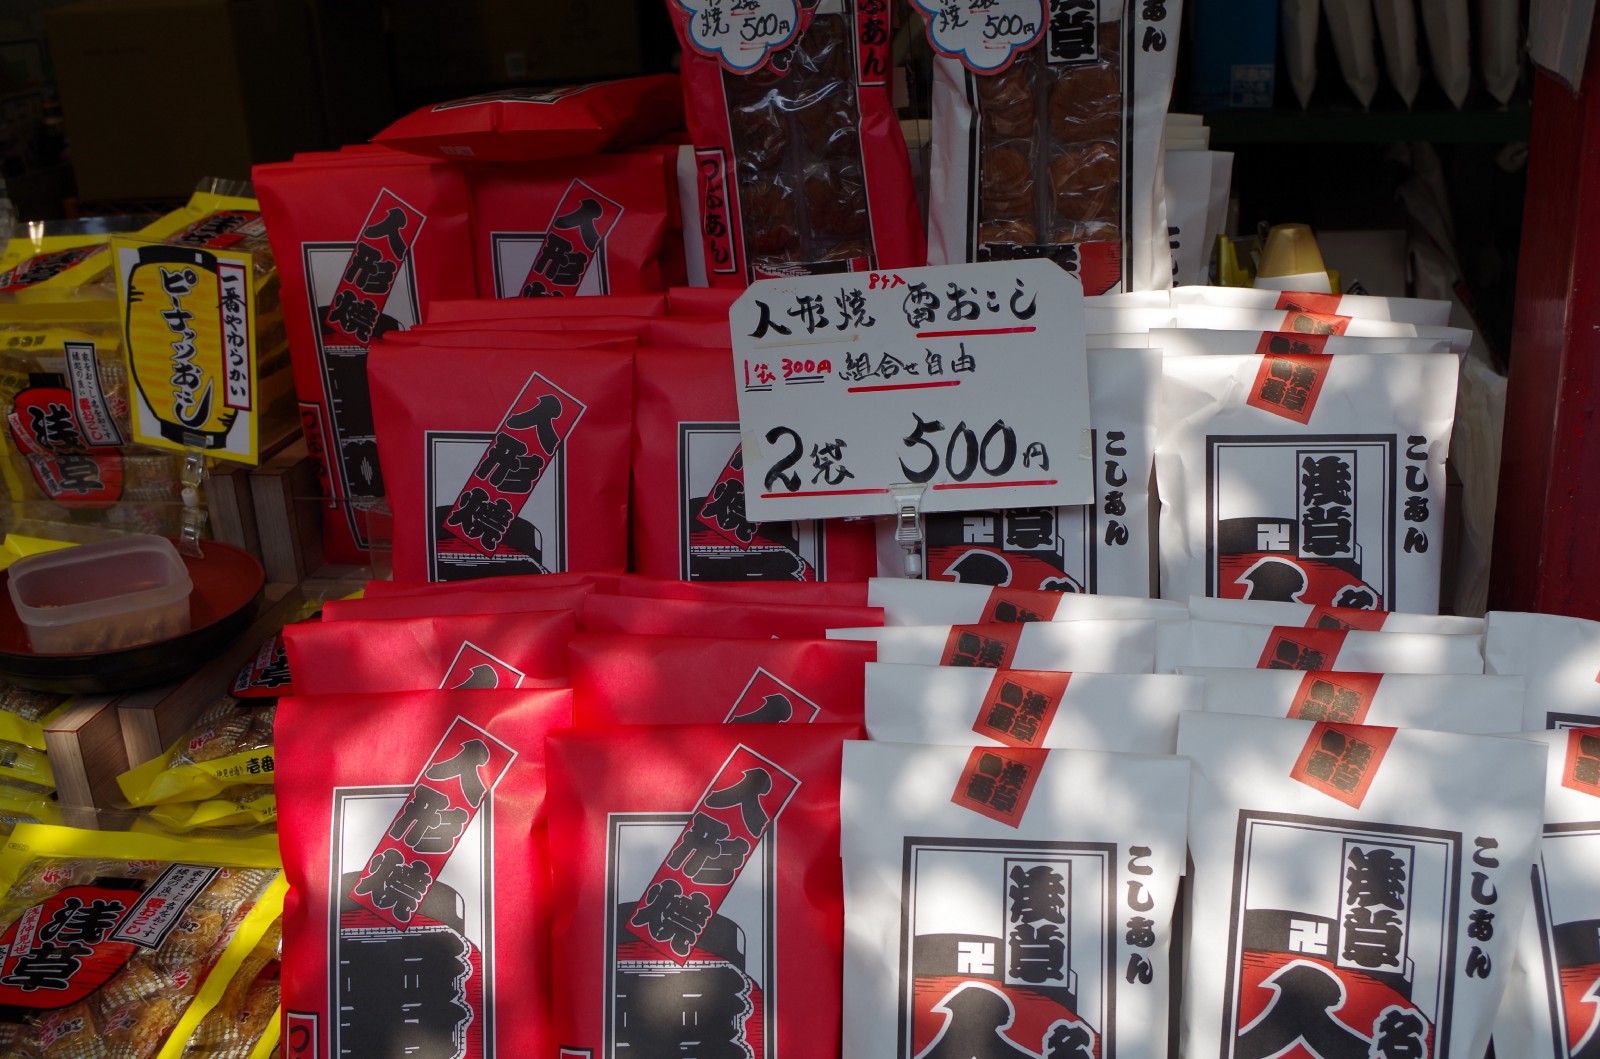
136, 983
828, 132
225, 737
1007, 180
233, 886
71, 1033
1086, 104
1007, 232
836, 202
1086, 181
139, 1030
196, 934
1006, 102
759, 135
769, 215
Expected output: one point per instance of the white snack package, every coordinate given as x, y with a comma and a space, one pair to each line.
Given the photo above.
1425, 311
1123, 320
1105, 548
1397, 32
1203, 342
1350, 26
1138, 299
1558, 947
1236, 646
1123, 712
1300, 24
1125, 340
1445, 702
1059, 153
1217, 212
908, 602
968, 933
1558, 656
1188, 189
1357, 886
1313, 479
1272, 612
1064, 646
1446, 26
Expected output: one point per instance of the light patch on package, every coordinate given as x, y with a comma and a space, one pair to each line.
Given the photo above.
1304, 519
503, 472
1288, 385
741, 34
1350, 949
567, 258
985, 35
737, 809
189, 326
1339, 698
1008, 948
424, 833
1020, 705
998, 782
768, 700
718, 541
1341, 760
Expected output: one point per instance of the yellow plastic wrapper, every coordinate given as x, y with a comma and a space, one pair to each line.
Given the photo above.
245, 806
231, 746
24, 712
37, 267
245, 1019
120, 944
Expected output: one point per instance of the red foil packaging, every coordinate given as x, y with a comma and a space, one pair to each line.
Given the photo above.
669, 617
418, 916
363, 242
697, 889
688, 488
505, 461
619, 679
802, 168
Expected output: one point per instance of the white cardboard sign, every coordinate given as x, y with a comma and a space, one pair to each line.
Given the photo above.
968, 380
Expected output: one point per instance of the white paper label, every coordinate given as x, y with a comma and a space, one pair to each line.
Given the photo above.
741, 34
968, 380
983, 34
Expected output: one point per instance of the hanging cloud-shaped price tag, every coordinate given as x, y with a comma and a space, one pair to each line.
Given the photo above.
984, 34
741, 34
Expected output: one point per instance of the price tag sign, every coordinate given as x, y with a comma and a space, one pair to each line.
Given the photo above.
968, 380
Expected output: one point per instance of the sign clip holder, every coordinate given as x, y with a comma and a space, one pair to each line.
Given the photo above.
908, 528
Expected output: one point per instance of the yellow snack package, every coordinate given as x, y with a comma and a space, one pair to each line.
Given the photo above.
120, 944
38, 267
228, 747
245, 1018
247, 806
24, 712
219, 215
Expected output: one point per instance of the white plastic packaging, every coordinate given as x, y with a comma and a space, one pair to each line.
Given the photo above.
1200, 342
1558, 656
1232, 645
1300, 20
1264, 612
1446, 26
1422, 311
1065, 646
907, 602
1397, 32
1446, 702
1350, 26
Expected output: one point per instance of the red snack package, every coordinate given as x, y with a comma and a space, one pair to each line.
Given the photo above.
802, 167
569, 227
422, 921
695, 332
466, 602
674, 265
361, 243
618, 679
697, 898
511, 337
688, 488
701, 301
507, 461
450, 310
605, 582
808, 593
465, 651
531, 124
669, 617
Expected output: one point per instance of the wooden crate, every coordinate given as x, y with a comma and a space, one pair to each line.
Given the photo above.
229, 502
87, 753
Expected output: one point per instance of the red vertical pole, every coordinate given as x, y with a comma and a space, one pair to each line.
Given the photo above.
1547, 521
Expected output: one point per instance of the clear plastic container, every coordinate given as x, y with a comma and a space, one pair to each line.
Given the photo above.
101, 597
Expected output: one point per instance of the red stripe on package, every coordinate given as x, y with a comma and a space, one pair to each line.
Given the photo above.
1340, 760
480, 489
616, 306
584, 226
1299, 321
740, 804
362, 242
489, 336
601, 581
1346, 618
1288, 386
1309, 302
464, 602
802, 166
620, 679
1287, 343
1581, 771
1020, 706
701, 301
417, 654
1341, 698
989, 646
650, 955
1020, 604
696, 332
997, 782
532, 124
418, 916
1310, 649
689, 517
761, 621
450, 789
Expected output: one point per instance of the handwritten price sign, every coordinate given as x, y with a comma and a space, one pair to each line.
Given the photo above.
969, 380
